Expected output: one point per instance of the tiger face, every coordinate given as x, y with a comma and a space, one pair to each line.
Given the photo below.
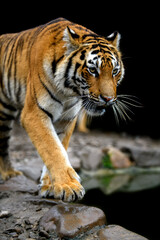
94, 69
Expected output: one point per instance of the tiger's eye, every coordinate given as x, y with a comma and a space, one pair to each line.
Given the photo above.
115, 71
93, 70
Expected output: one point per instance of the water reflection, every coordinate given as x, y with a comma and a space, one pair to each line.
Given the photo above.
129, 197
124, 180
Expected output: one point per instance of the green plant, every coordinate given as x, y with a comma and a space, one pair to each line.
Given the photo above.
106, 161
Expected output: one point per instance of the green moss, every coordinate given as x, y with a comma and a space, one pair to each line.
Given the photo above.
106, 162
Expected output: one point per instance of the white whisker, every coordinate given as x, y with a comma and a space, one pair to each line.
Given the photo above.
129, 103
122, 107
123, 112
126, 107
115, 114
132, 100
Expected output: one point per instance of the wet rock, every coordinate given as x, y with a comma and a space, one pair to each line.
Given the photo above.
118, 158
115, 232
69, 220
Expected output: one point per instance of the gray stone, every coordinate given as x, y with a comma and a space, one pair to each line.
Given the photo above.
146, 156
19, 184
74, 160
117, 158
115, 232
32, 172
91, 157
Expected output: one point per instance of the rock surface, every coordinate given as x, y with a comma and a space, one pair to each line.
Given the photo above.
115, 232
24, 215
69, 220
118, 158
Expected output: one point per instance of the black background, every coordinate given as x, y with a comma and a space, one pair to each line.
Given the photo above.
138, 25
136, 211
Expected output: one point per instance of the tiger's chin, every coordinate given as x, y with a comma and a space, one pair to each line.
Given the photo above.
93, 107
95, 111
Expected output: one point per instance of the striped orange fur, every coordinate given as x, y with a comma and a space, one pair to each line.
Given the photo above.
50, 73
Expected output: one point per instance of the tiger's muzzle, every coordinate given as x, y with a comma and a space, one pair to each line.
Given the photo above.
97, 106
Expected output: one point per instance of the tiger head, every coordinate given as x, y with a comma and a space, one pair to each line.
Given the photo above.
93, 69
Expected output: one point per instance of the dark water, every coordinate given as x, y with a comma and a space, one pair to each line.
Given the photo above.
137, 211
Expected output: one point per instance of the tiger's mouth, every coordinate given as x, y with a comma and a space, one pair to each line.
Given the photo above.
96, 107
121, 104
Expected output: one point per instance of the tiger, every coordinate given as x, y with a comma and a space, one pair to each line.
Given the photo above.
50, 74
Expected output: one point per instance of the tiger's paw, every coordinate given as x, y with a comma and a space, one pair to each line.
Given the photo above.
9, 173
67, 187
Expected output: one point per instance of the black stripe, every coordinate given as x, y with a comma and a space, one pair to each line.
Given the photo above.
66, 82
82, 57
33, 35
15, 66
54, 63
18, 93
45, 111
9, 107
59, 59
21, 41
4, 144
79, 27
62, 132
6, 116
70, 63
54, 66
3, 154
4, 139
75, 79
84, 64
89, 35
107, 52
6, 50
52, 28
105, 46
49, 92
94, 45
95, 51
76, 67
60, 19
4, 128
10, 61
84, 87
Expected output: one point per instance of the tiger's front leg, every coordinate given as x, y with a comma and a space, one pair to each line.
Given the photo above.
58, 179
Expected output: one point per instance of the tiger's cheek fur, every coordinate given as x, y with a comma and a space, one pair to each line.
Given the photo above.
94, 86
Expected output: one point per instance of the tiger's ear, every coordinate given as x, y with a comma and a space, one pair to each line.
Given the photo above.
71, 38
114, 38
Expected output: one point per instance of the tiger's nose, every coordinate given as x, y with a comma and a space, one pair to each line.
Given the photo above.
108, 99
